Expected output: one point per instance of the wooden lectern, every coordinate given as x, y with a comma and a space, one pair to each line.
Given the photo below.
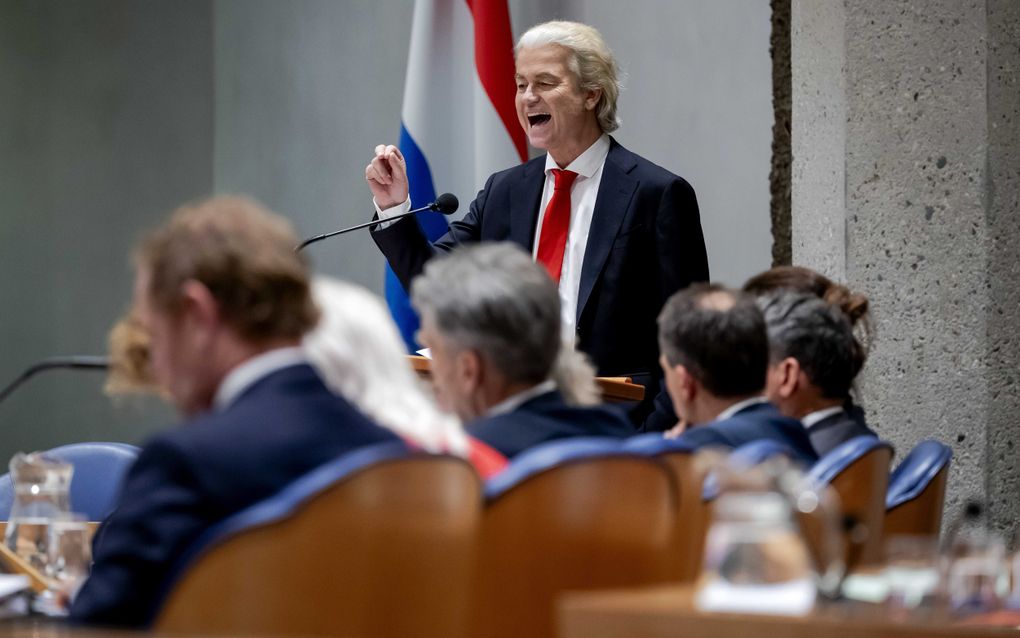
614, 389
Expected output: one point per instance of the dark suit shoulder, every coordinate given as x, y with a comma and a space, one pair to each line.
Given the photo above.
548, 418
630, 161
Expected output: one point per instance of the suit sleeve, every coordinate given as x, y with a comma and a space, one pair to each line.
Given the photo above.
680, 243
157, 517
407, 249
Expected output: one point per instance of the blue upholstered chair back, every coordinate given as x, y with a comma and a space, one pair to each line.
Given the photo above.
916, 472
99, 470
549, 455
746, 457
654, 444
843, 456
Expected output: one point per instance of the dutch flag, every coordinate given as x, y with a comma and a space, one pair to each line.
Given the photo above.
458, 121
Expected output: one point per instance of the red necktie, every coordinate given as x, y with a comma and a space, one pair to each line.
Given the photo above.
553, 240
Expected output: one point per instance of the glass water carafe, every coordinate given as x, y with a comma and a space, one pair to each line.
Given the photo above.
41, 494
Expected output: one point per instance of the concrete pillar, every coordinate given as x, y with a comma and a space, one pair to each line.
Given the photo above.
906, 178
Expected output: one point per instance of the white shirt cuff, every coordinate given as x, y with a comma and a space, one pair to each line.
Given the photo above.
392, 211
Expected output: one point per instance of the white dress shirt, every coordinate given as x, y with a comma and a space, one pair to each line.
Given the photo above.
515, 401
245, 375
737, 407
585, 189
820, 415
583, 193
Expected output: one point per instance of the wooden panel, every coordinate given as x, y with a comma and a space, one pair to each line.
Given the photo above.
921, 516
386, 553
593, 524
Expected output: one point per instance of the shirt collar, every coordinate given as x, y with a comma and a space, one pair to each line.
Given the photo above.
820, 415
515, 401
258, 367
587, 163
739, 407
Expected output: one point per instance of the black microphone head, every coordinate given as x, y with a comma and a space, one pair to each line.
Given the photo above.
446, 204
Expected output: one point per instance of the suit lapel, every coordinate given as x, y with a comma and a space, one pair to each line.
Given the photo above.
524, 202
615, 192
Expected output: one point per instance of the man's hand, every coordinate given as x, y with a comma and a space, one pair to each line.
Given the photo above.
387, 177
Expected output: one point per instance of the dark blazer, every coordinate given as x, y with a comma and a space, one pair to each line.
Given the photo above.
645, 243
833, 430
192, 476
546, 418
759, 421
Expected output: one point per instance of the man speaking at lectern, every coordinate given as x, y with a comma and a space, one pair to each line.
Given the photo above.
618, 233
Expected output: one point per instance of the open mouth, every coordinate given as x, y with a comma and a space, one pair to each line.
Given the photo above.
536, 119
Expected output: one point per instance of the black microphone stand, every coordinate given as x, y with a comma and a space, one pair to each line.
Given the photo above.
56, 363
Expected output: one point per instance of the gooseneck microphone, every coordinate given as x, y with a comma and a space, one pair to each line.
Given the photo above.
56, 363
446, 204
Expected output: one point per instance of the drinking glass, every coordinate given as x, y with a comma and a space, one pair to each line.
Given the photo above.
976, 577
911, 574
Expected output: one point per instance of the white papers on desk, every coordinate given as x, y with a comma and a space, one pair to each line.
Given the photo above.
795, 598
426, 352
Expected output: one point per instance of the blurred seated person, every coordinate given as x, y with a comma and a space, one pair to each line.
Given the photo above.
491, 317
813, 358
225, 302
715, 355
356, 349
359, 353
854, 305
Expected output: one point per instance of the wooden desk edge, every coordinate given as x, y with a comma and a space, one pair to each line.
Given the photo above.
668, 611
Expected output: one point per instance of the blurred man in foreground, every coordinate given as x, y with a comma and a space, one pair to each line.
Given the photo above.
491, 317
714, 355
225, 301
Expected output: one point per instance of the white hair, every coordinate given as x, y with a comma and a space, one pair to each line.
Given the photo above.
359, 354
591, 62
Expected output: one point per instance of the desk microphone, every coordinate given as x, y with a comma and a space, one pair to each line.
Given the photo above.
56, 363
446, 204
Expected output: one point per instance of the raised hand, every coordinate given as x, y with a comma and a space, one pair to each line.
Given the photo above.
386, 175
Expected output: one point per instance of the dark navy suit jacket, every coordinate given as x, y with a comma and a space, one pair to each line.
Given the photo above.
645, 243
545, 418
758, 421
192, 476
838, 428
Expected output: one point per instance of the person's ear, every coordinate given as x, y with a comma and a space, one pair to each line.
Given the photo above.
591, 99
687, 385
199, 310
788, 373
469, 371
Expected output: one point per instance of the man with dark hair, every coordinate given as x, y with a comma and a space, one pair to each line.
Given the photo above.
491, 317
813, 358
224, 301
714, 355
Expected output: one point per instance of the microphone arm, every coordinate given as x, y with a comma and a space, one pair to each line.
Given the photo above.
445, 204
56, 363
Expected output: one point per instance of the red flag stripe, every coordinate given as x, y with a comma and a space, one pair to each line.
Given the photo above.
495, 63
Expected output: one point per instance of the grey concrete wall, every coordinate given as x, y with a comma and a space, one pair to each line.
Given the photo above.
928, 226
106, 123
305, 89
1002, 199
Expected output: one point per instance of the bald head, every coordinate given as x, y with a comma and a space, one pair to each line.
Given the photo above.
719, 336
